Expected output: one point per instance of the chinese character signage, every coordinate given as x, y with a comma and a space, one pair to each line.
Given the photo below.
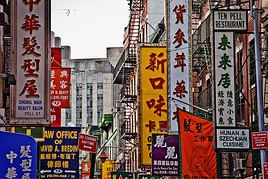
107, 169
224, 79
165, 155
31, 62
233, 138
153, 107
232, 20
59, 154
197, 147
18, 156
59, 92
178, 59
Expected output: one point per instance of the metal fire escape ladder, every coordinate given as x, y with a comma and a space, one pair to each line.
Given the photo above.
264, 60
196, 9
129, 99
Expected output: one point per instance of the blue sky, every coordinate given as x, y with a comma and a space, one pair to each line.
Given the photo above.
89, 26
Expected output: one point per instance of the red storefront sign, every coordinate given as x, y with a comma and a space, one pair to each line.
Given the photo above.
87, 143
259, 140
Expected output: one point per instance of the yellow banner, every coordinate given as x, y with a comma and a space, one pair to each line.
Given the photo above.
153, 98
107, 168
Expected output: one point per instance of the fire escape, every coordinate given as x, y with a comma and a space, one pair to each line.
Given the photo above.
124, 74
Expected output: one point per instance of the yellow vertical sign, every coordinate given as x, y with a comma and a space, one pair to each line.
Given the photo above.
153, 97
107, 168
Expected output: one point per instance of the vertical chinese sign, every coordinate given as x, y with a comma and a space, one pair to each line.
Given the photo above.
165, 155
224, 79
59, 93
18, 156
31, 64
178, 59
197, 147
153, 97
107, 169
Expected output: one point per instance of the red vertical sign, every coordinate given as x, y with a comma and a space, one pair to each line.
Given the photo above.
59, 93
197, 147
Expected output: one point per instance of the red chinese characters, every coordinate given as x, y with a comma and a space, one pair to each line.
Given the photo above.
31, 3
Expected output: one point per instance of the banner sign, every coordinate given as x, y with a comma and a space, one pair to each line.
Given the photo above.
232, 20
18, 156
87, 143
233, 138
59, 154
60, 87
153, 107
55, 57
224, 79
165, 155
55, 116
107, 168
32, 67
85, 171
259, 140
197, 147
178, 59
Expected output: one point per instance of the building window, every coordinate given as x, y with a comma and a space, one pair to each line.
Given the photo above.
100, 88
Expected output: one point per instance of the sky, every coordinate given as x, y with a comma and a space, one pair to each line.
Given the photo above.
89, 26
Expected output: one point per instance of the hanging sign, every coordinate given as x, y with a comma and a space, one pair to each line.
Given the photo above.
232, 20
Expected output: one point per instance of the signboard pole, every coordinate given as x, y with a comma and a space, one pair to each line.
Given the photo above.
258, 82
92, 167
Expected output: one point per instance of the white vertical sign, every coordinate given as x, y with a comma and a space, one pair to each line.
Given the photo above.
178, 59
224, 79
31, 49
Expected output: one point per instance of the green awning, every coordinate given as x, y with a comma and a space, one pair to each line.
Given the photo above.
107, 121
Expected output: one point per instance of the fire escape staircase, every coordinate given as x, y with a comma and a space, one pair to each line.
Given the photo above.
128, 98
264, 60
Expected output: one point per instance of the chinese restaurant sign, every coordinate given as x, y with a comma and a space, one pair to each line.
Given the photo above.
59, 92
233, 138
31, 54
178, 59
59, 154
165, 155
197, 147
18, 156
153, 85
224, 79
232, 20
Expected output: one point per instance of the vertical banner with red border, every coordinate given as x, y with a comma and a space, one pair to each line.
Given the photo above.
197, 147
31, 48
59, 92
178, 59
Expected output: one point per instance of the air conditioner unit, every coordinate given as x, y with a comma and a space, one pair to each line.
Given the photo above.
240, 164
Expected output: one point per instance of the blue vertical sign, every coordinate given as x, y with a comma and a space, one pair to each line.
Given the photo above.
59, 154
18, 156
